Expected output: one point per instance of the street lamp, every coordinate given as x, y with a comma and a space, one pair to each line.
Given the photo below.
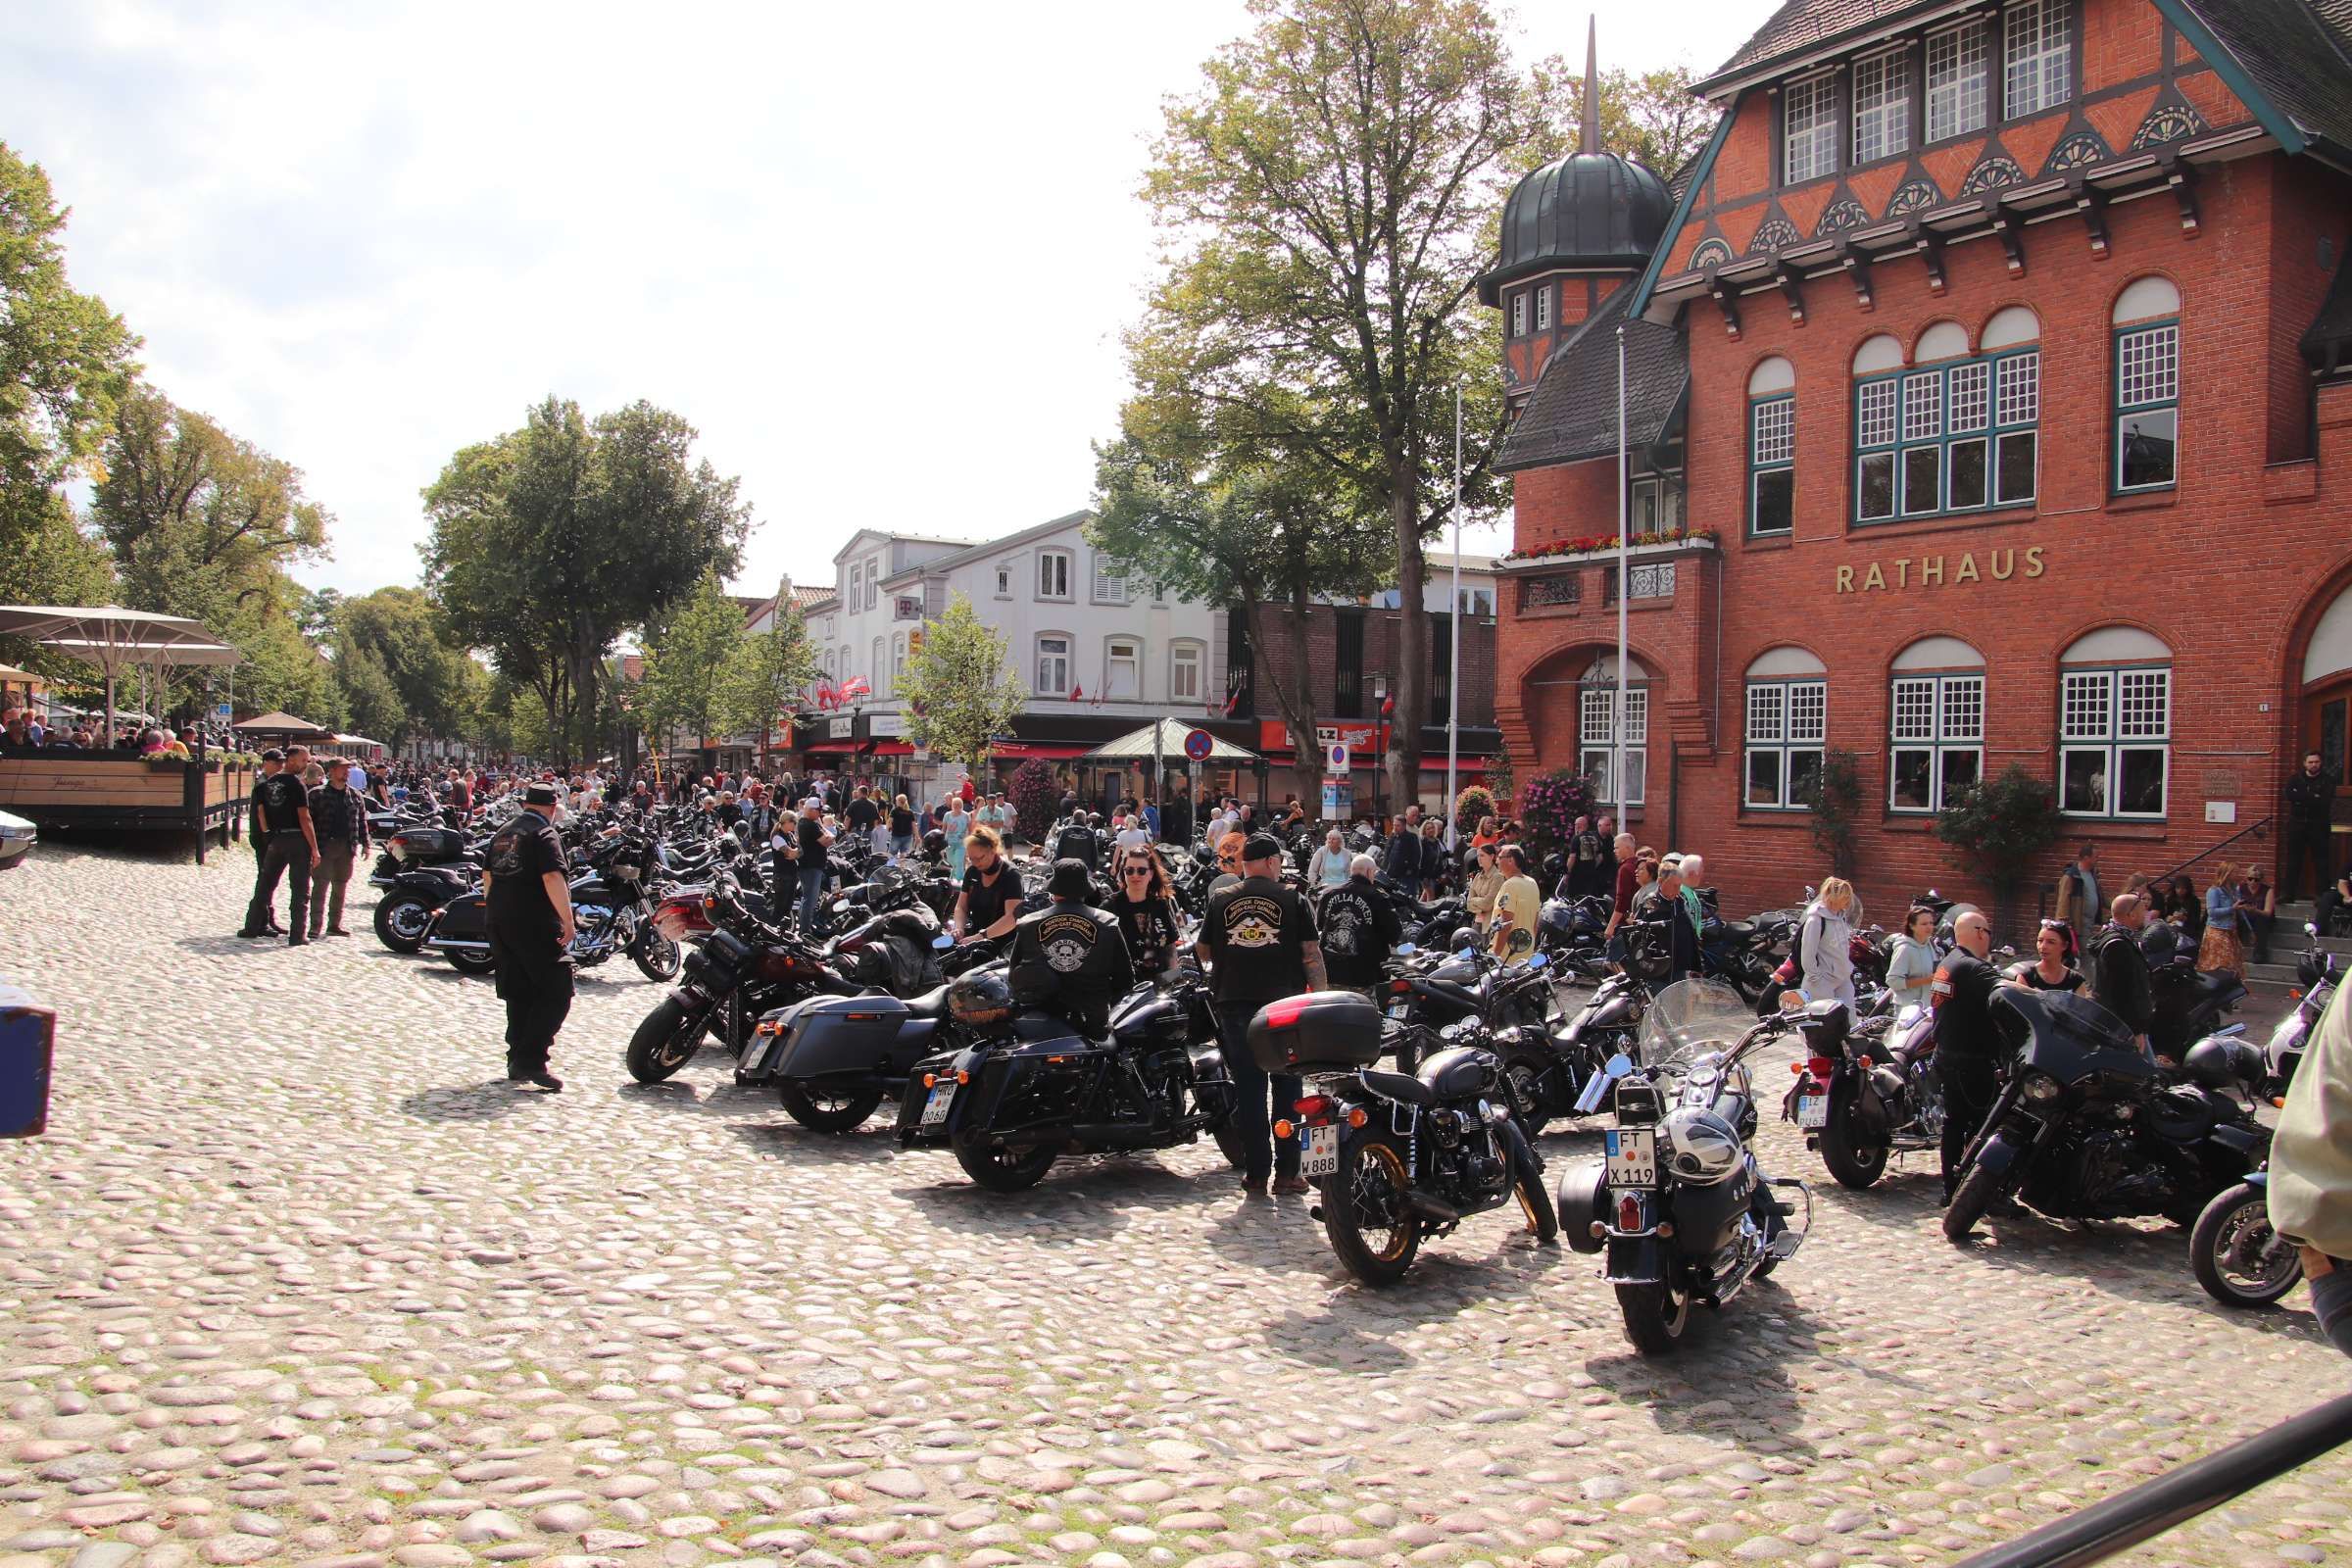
1382, 707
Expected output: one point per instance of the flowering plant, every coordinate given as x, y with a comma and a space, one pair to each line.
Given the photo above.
1592, 543
1550, 805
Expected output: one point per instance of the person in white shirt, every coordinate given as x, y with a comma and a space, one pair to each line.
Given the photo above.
359, 778
1133, 835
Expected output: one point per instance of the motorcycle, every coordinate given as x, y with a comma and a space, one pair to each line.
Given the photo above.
1550, 1070
2082, 1130
421, 869
2316, 974
1395, 1157
1678, 1201
2189, 1003
610, 912
833, 1059
1018, 1093
1869, 1091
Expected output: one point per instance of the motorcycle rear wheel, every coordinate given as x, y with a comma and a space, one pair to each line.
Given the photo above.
1005, 1170
1232, 1145
828, 1111
2234, 1225
1855, 1164
1970, 1200
1521, 1081
1366, 1195
400, 922
1656, 1318
665, 1040
466, 961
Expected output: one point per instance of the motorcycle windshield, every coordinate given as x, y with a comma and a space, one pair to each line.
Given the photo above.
2068, 1037
1690, 1018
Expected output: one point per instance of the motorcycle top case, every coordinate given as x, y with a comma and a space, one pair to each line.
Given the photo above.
431, 844
832, 1035
1322, 1029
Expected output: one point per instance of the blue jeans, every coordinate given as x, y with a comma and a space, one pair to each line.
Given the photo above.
1252, 1086
813, 894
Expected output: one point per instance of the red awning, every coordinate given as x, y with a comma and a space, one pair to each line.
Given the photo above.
1028, 749
831, 749
890, 749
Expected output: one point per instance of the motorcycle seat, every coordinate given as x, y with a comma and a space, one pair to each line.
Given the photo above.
932, 1004
2180, 1117
1399, 1086
1740, 929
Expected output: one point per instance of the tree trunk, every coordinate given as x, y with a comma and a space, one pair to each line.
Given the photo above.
1413, 631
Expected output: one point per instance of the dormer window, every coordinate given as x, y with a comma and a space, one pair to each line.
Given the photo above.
1809, 129
1957, 81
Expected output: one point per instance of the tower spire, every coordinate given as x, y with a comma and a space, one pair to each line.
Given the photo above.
1591, 138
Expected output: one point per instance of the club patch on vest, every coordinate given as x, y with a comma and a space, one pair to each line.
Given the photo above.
1067, 941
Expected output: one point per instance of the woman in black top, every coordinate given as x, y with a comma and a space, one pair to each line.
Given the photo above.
902, 826
2050, 972
1146, 914
990, 903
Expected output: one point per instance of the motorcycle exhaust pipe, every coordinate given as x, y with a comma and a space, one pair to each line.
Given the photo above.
1433, 1208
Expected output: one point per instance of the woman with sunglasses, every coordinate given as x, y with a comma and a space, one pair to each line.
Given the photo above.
2049, 970
1145, 910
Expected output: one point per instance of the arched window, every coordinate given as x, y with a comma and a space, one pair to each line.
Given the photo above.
1787, 717
1953, 431
2147, 386
1772, 448
1597, 734
1936, 734
2115, 724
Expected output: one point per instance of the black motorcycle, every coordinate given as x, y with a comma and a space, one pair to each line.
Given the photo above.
1679, 1202
419, 869
1395, 1157
1869, 1091
738, 969
611, 914
1020, 1091
2082, 1130
2189, 1003
1558, 1070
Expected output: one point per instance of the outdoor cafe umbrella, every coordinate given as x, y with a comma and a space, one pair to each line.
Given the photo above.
1165, 738
109, 637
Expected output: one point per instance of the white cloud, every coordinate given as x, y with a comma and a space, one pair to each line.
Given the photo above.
879, 256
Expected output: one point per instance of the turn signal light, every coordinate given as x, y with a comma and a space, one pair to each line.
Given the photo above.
1600, 1228
1282, 1128
1666, 1228
1356, 1116
1796, 1067
1865, 1061
930, 1080
962, 1077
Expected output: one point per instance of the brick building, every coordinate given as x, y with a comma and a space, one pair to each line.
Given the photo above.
1990, 394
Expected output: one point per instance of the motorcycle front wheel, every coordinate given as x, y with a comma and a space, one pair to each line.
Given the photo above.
1005, 1170
1854, 1163
1535, 1203
1657, 1316
829, 1110
1970, 1200
657, 958
1523, 1081
665, 1040
2237, 1256
1374, 1234
400, 922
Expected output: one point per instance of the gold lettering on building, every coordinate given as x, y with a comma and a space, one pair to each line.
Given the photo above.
1931, 571
1968, 568
1875, 578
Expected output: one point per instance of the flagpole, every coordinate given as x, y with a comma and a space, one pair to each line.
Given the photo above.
1453, 659
1624, 551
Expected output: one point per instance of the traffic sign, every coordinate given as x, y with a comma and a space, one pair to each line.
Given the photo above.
1198, 745
1338, 756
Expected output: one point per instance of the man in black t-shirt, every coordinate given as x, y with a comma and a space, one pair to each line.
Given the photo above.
812, 841
281, 825
1968, 1049
861, 816
1359, 927
527, 890
271, 760
1260, 944
1070, 959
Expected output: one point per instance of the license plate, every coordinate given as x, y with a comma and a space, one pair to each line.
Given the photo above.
1632, 1156
935, 1109
1400, 1009
1812, 1111
1322, 1156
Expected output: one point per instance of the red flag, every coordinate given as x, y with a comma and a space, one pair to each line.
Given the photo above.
1077, 694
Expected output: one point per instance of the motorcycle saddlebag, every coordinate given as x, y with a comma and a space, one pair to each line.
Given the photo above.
1321, 1029
827, 1035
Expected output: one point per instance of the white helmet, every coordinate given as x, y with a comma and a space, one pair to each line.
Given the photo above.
1702, 1148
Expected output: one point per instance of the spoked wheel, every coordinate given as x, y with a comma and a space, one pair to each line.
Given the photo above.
1364, 1214
1657, 1316
2238, 1257
1005, 1170
657, 958
665, 1040
829, 1110
400, 922
1521, 1081
1851, 1157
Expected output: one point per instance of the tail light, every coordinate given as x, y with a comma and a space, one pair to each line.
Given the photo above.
1402, 987
398, 846
1315, 1110
1629, 1212
1819, 1067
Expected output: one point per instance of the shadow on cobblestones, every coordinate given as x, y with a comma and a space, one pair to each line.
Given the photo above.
491, 1099
1733, 1376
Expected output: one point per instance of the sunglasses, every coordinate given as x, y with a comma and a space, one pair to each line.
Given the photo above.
1139, 870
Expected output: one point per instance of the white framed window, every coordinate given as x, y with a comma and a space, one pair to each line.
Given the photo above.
1519, 314
873, 582
853, 591
877, 673
1958, 80
1787, 724
2115, 732
2148, 407
2039, 53
1111, 587
1052, 665
1953, 437
1882, 105
898, 662
1809, 129
1657, 504
1052, 574
1596, 742
1772, 464
1004, 579
1542, 307
1936, 745
1123, 669
1184, 672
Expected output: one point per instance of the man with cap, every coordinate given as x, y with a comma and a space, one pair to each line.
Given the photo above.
281, 825
528, 889
1070, 957
339, 817
271, 760
1260, 944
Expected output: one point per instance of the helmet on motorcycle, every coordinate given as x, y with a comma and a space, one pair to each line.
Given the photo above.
743, 834
1558, 914
2220, 1062
980, 997
1464, 936
1554, 868
934, 843
1701, 1146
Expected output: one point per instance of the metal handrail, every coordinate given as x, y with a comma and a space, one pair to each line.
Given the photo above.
2255, 826
2124, 1520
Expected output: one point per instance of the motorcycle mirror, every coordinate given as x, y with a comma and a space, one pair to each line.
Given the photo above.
1618, 1065
942, 942
2311, 928
1538, 961
1405, 950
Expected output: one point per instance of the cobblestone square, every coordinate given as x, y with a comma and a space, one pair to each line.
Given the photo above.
295, 1277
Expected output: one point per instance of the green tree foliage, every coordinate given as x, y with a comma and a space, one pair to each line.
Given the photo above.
1328, 197
371, 698
1259, 541
960, 688
550, 542
776, 665
65, 361
690, 657
2005, 824
1836, 800
436, 682
1654, 118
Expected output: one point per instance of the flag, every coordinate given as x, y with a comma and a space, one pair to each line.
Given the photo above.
1077, 694
855, 686
1232, 695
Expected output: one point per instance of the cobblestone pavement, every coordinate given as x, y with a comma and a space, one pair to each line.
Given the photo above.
293, 1278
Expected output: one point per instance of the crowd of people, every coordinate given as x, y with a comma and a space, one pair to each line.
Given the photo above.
23, 730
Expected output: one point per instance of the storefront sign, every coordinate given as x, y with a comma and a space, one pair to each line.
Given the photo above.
841, 728
883, 725
1933, 571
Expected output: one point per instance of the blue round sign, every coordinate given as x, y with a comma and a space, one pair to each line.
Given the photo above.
1198, 745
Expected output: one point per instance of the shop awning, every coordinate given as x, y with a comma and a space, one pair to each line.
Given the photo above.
832, 747
890, 749
1028, 749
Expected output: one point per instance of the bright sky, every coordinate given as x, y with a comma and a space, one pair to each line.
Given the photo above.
879, 256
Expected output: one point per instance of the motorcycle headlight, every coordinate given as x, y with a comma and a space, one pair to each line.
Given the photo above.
2042, 1087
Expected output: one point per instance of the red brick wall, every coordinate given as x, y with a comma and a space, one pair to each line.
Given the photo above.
1380, 657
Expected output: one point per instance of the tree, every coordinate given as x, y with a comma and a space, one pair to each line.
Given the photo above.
550, 542
1834, 797
1329, 198
437, 681
775, 668
1655, 118
1256, 541
689, 661
960, 688
2005, 824
65, 362
371, 698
